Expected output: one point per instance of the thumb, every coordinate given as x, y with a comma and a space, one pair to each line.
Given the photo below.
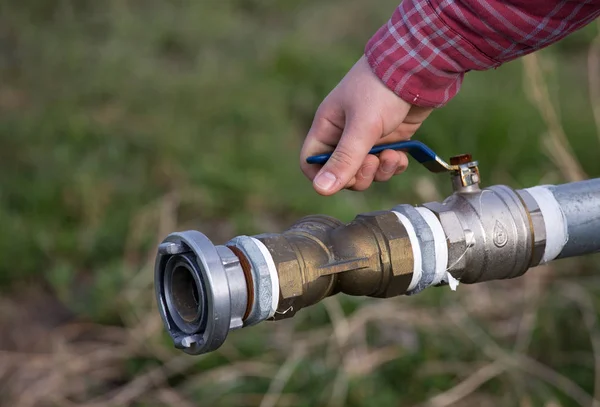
358, 138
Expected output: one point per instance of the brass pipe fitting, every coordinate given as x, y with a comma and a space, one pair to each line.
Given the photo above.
319, 256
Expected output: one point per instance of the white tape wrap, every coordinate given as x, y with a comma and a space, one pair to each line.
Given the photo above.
416, 249
554, 221
441, 247
274, 276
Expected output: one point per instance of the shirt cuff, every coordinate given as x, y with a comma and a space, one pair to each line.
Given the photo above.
419, 57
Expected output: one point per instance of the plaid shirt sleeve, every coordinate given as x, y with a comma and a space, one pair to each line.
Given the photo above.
424, 50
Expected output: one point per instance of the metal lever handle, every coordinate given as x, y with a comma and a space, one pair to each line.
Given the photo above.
416, 149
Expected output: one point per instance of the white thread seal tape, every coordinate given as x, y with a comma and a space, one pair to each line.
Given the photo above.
416, 249
273, 273
441, 247
554, 221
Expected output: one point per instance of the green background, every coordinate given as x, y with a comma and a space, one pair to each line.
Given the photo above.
123, 121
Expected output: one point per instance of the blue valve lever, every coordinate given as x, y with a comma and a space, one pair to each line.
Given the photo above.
416, 149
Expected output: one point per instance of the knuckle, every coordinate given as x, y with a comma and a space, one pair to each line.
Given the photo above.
367, 171
321, 115
327, 114
365, 120
372, 125
341, 158
400, 169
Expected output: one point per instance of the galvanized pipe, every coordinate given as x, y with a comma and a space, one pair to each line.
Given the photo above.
580, 204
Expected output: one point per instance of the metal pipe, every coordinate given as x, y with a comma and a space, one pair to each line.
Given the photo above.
579, 202
475, 235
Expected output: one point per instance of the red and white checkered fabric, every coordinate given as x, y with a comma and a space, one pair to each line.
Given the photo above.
424, 50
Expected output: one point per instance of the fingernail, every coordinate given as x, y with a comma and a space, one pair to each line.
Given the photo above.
325, 181
388, 166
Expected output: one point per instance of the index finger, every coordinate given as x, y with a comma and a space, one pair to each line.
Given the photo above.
322, 137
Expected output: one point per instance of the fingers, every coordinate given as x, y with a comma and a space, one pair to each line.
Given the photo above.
349, 156
355, 116
391, 163
366, 173
322, 138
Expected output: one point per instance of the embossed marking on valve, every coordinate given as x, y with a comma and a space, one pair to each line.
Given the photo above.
500, 234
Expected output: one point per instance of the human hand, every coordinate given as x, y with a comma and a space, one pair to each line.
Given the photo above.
358, 114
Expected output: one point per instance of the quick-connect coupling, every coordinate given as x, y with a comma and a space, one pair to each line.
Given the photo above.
204, 291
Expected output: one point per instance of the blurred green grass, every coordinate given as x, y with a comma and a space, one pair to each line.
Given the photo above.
112, 111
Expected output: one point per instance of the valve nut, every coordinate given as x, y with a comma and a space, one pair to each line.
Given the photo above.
458, 244
396, 252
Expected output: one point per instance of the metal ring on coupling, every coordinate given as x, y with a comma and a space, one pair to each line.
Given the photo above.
206, 329
264, 275
538, 227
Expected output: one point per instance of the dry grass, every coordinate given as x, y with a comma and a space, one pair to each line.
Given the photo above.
555, 141
594, 78
85, 364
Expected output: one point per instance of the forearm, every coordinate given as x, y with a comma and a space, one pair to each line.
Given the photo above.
425, 49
